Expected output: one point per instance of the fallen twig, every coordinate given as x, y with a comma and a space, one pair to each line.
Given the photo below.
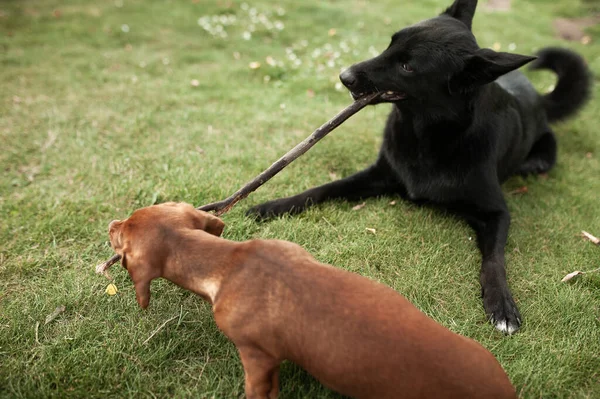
202, 370
225, 205
577, 273
158, 329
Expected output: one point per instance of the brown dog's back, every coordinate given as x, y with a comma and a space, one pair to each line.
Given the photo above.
356, 336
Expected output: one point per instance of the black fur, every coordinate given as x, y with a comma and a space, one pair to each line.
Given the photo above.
463, 121
573, 87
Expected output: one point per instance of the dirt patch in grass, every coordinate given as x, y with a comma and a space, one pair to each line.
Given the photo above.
573, 29
498, 5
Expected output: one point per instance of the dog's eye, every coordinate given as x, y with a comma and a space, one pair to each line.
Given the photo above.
407, 68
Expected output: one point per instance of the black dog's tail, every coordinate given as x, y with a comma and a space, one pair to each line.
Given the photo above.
574, 82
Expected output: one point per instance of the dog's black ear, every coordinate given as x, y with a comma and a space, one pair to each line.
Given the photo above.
484, 67
463, 10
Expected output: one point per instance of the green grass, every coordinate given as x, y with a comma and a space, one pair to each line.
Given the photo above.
96, 122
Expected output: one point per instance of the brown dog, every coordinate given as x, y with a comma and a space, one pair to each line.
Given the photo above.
276, 302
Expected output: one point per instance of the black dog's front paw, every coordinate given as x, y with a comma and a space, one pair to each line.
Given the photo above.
271, 209
501, 310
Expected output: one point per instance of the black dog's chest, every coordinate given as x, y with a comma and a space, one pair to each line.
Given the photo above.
433, 170
425, 181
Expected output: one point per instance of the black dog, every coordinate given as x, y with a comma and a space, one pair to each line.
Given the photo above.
463, 121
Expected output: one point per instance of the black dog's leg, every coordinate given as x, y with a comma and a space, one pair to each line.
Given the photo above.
374, 181
542, 156
497, 299
490, 219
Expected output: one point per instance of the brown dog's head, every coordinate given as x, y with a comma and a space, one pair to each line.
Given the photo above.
140, 240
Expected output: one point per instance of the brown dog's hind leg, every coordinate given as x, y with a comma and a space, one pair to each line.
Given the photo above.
261, 373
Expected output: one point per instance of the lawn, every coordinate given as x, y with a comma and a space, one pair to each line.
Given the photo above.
110, 106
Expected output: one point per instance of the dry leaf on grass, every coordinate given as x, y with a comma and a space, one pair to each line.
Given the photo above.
577, 273
55, 314
571, 276
359, 206
498, 5
590, 237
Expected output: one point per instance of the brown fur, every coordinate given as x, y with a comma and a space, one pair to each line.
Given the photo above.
276, 302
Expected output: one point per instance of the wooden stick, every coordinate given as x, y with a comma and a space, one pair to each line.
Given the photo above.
101, 268
225, 205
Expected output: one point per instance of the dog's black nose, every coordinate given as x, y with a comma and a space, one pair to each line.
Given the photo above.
348, 78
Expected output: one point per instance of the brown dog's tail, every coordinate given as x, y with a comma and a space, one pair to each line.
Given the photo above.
573, 88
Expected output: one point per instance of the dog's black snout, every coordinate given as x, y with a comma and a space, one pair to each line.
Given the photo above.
348, 78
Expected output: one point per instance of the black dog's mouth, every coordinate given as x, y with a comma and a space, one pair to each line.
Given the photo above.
386, 96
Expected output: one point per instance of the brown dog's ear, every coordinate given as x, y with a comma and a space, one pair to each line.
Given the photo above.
142, 293
115, 234
484, 67
463, 10
210, 223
